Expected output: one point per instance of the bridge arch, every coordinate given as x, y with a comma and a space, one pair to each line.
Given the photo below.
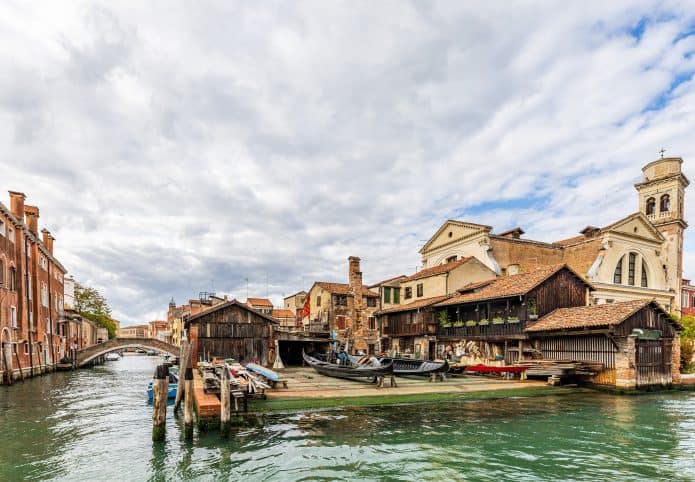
86, 355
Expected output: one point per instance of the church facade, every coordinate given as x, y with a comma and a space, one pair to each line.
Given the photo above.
637, 257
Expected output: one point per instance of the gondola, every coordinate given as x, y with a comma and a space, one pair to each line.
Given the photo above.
408, 366
340, 371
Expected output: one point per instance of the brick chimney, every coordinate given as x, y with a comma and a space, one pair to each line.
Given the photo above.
355, 282
31, 213
48, 240
17, 204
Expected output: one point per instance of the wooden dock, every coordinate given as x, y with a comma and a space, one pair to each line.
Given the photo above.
207, 405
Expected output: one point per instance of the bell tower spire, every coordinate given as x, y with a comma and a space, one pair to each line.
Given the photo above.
661, 194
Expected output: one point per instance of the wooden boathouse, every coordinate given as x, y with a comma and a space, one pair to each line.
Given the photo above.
232, 330
494, 314
636, 342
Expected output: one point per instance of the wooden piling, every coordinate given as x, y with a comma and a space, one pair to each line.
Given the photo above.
225, 408
184, 363
19, 364
8, 372
188, 404
160, 390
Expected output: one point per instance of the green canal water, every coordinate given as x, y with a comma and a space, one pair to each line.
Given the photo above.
95, 425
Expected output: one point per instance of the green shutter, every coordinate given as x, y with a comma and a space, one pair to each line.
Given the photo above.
396, 296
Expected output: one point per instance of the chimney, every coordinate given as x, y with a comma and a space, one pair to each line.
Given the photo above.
31, 213
47, 240
17, 204
355, 280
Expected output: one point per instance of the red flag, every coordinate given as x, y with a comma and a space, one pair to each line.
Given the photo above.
306, 310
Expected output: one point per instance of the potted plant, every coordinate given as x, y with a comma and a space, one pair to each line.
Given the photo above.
498, 320
484, 321
470, 323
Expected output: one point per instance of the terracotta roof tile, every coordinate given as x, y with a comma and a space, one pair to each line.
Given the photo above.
439, 269
344, 289
259, 302
389, 280
588, 316
423, 303
283, 314
506, 286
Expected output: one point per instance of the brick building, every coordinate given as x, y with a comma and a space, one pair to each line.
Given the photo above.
31, 292
687, 298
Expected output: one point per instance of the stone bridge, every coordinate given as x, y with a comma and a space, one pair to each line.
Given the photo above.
88, 354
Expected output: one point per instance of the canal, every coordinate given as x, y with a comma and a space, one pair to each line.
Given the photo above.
95, 425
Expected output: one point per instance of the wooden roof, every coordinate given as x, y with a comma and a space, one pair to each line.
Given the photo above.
221, 306
507, 286
608, 314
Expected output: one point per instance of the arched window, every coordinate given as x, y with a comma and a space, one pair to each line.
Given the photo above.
644, 283
665, 204
651, 206
13, 279
618, 273
632, 257
2, 274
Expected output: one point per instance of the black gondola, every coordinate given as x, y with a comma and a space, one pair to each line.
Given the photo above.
408, 366
342, 371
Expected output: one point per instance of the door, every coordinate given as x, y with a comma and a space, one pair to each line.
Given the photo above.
653, 362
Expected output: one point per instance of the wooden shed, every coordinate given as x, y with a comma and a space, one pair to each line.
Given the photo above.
637, 342
232, 330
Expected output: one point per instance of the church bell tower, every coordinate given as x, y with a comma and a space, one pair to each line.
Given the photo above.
661, 194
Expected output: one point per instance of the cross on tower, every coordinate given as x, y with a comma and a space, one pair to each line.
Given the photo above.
662, 152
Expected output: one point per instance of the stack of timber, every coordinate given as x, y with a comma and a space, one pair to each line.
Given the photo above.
561, 368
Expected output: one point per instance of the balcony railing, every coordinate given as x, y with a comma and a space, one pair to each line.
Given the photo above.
660, 215
481, 330
409, 329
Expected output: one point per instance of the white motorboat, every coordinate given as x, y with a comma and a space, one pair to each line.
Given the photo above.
112, 356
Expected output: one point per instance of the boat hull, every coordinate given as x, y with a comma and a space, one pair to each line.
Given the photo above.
407, 366
339, 371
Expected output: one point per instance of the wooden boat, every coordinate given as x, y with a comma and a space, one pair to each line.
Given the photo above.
341, 371
173, 385
408, 366
493, 369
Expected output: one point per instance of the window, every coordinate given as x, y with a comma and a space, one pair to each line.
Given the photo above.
26, 347
318, 300
408, 293
419, 290
13, 279
2, 273
631, 269
371, 302
29, 290
340, 300
10, 234
44, 263
396, 296
2, 227
387, 294
685, 299
665, 204
13, 316
618, 273
451, 259
372, 322
650, 206
644, 274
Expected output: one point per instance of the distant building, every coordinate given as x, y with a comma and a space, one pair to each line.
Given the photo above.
177, 314
262, 305
295, 303
287, 318
135, 331
159, 330
102, 335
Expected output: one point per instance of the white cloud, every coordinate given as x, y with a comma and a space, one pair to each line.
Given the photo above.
168, 146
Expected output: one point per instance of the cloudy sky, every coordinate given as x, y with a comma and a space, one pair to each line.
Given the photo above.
177, 148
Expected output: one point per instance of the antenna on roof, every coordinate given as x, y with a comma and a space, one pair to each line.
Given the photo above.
662, 152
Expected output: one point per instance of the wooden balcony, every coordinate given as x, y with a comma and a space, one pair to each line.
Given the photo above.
514, 329
400, 328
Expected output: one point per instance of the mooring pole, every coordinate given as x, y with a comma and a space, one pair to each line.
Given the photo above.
225, 409
160, 390
188, 404
183, 366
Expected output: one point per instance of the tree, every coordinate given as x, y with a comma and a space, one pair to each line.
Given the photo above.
687, 342
90, 304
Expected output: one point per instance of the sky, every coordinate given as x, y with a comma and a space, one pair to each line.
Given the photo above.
179, 147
